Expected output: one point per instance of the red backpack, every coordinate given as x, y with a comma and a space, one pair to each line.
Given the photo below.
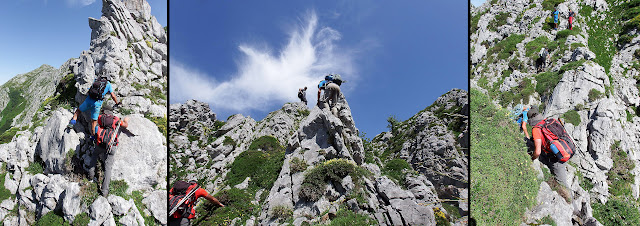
557, 139
179, 190
105, 135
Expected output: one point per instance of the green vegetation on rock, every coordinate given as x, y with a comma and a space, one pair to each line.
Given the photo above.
262, 163
616, 212
572, 117
51, 218
16, 105
550, 4
533, 47
547, 81
594, 94
345, 217
237, 204
501, 191
498, 20
518, 94
282, 212
297, 165
621, 208
118, 187
506, 47
395, 168
619, 177
4, 192
315, 179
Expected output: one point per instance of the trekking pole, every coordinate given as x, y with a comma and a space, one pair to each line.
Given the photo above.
184, 199
117, 131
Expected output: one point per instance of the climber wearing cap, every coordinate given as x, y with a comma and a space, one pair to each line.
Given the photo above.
331, 87
555, 18
551, 144
302, 94
106, 133
100, 88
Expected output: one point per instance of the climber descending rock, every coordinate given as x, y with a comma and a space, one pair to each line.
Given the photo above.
183, 198
302, 94
107, 132
550, 136
331, 86
100, 88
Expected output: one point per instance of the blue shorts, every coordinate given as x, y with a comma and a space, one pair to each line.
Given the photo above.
93, 106
555, 20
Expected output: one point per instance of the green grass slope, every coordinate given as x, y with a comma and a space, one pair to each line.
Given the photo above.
503, 182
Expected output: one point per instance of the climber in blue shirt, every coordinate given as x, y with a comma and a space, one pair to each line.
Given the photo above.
555, 18
100, 88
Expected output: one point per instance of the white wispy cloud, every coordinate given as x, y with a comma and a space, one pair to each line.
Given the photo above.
264, 78
80, 3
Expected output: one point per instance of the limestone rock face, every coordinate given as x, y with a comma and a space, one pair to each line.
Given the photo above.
314, 137
56, 142
46, 163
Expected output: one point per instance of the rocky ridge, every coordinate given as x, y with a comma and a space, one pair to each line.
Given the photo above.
591, 83
46, 164
316, 142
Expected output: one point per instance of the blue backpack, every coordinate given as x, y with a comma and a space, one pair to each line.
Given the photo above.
329, 77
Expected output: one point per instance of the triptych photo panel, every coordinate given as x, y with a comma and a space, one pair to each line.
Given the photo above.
481, 112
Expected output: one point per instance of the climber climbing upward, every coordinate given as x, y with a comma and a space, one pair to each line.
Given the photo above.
302, 94
331, 86
106, 140
183, 197
543, 58
519, 114
555, 18
100, 88
550, 136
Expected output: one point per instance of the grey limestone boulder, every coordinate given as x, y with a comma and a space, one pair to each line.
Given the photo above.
56, 140
71, 201
156, 202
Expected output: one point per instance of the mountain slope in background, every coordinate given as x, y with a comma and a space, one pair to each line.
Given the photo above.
306, 166
591, 82
45, 165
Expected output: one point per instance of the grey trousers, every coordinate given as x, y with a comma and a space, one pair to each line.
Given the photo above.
179, 221
557, 168
101, 154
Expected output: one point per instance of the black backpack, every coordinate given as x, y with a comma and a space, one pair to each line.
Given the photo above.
97, 88
179, 190
108, 121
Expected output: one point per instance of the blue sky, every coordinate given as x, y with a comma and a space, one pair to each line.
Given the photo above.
36, 32
251, 58
477, 3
